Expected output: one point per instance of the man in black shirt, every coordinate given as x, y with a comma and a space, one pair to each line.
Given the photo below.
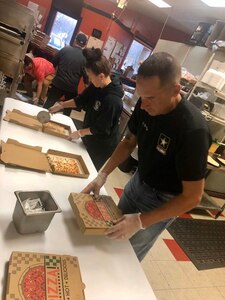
70, 64
173, 141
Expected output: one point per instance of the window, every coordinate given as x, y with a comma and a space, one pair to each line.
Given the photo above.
62, 30
136, 54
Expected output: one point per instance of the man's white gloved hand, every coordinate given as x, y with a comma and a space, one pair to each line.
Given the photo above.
55, 108
95, 185
125, 227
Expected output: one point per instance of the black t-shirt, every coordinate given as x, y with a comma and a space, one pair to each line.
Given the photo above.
171, 148
103, 107
70, 64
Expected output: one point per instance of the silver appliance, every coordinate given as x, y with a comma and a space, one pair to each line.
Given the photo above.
16, 26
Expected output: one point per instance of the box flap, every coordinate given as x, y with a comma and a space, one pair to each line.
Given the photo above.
56, 277
17, 154
18, 117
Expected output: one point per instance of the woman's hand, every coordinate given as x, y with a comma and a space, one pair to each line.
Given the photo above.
55, 108
75, 135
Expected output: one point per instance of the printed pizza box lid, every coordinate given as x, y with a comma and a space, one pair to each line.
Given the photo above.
44, 277
64, 163
18, 117
94, 216
22, 155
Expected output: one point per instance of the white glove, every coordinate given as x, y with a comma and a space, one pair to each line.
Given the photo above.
55, 108
75, 135
95, 185
125, 227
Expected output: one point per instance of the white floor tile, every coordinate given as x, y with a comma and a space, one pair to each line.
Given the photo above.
216, 276
197, 278
221, 290
154, 275
160, 251
210, 294
174, 274
186, 294
164, 295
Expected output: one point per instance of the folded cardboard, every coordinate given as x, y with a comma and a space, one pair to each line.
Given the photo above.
94, 215
44, 276
30, 157
54, 128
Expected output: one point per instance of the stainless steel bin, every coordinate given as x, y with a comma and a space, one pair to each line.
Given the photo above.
35, 222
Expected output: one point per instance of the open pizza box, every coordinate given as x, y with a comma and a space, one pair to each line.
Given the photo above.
94, 216
54, 161
54, 128
44, 276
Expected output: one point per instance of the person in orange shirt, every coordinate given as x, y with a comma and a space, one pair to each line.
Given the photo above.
41, 70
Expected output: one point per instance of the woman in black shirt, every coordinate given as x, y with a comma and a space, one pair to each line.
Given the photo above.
102, 103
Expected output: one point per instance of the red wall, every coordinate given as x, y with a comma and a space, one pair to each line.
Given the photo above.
44, 3
91, 20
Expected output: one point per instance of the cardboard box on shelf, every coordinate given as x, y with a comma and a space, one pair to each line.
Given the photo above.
94, 216
30, 157
44, 276
54, 128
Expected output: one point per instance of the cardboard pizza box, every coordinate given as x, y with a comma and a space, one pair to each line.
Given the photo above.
30, 157
81, 166
44, 276
94, 216
17, 117
54, 128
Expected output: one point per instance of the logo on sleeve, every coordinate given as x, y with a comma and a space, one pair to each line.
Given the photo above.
163, 143
145, 126
97, 105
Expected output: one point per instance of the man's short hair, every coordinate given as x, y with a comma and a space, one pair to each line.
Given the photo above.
163, 65
81, 39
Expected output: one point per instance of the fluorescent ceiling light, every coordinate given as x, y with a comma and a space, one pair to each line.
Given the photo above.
214, 3
160, 3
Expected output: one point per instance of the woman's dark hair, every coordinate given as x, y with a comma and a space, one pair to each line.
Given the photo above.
163, 65
27, 60
96, 61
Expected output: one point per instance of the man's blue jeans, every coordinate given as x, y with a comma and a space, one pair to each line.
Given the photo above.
140, 197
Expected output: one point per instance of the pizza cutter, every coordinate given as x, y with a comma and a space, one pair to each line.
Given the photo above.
43, 116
